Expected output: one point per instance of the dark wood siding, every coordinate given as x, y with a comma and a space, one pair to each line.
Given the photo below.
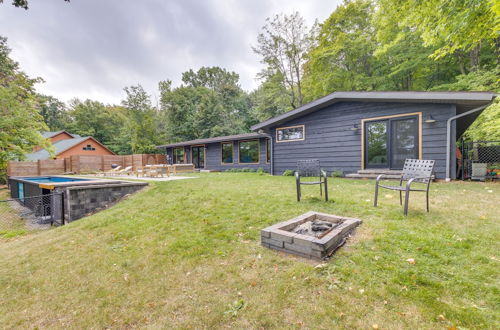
213, 157
328, 135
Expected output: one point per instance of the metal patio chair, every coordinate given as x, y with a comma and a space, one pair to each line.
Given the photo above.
310, 168
414, 170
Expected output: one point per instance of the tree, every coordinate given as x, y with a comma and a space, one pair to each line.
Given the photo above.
343, 58
54, 112
283, 45
22, 3
142, 123
211, 103
403, 61
459, 28
270, 98
93, 118
21, 122
487, 126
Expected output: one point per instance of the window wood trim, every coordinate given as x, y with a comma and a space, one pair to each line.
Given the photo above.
258, 154
222, 155
363, 121
294, 140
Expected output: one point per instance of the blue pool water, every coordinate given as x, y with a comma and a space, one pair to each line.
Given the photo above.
52, 179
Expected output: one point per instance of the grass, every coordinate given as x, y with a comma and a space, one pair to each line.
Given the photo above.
186, 254
11, 225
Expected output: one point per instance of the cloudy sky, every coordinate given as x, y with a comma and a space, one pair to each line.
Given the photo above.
93, 48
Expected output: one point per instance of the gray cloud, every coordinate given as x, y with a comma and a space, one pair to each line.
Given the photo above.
93, 48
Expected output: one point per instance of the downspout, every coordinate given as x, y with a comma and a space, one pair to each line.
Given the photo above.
448, 137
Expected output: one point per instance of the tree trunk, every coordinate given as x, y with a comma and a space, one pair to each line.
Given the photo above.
474, 57
460, 60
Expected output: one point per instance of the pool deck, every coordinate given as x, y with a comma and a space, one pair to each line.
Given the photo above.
147, 179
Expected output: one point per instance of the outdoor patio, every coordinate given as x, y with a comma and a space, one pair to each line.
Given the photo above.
143, 178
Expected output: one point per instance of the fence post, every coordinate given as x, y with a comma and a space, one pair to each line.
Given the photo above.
39, 171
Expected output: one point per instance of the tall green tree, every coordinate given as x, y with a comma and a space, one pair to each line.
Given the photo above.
270, 98
487, 126
283, 45
21, 122
209, 103
54, 112
343, 58
93, 118
465, 29
142, 123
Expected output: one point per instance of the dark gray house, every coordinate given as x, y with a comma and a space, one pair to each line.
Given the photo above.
348, 131
249, 150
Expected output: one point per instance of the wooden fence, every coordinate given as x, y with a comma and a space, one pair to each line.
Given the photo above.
81, 164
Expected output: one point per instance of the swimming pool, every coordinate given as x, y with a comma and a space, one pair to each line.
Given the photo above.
52, 179
64, 199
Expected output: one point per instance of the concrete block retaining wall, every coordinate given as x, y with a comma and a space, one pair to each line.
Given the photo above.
80, 201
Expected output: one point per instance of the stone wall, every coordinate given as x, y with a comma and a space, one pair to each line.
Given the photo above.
80, 201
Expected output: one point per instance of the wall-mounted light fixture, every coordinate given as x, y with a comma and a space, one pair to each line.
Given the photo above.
429, 119
355, 128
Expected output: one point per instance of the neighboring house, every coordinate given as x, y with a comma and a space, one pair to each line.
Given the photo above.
56, 136
67, 144
350, 131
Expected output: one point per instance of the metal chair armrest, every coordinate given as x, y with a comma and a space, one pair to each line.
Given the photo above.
409, 182
379, 178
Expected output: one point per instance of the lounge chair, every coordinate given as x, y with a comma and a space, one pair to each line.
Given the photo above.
127, 170
112, 171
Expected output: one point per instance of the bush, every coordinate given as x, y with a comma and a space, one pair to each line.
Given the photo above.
241, 170
289, 173
337, 174
260, 170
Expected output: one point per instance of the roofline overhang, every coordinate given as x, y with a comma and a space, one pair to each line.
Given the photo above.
213, 140
462, 98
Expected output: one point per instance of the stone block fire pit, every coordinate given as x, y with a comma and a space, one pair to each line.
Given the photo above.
311, 235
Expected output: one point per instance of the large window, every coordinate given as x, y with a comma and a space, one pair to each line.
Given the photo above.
178, 155
227, 152
249, 152
268, 151
292, 133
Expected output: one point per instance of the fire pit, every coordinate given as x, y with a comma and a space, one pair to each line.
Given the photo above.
311, 235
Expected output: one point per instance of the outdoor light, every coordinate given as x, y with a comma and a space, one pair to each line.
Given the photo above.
429, 119
354, 127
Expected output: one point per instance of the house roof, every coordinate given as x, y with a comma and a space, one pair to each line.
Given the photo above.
60, 147
48, 135
466, 100
215, 139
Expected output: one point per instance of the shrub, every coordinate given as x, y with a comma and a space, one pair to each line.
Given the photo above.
240, 170
260, 170
289, 173
337, 174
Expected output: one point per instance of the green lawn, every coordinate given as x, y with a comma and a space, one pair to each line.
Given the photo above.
186, 254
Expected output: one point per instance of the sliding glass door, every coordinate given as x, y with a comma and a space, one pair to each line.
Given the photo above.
390, 141
198, 156
376, 144
404, 141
